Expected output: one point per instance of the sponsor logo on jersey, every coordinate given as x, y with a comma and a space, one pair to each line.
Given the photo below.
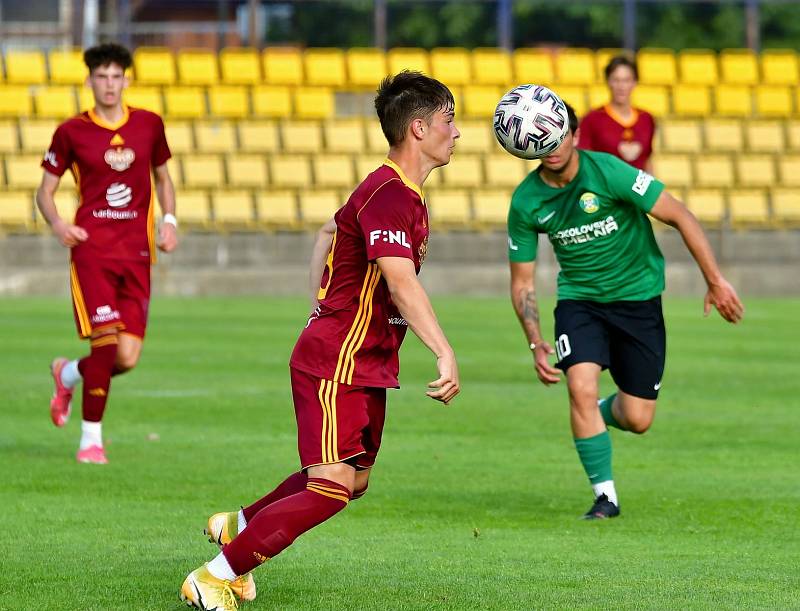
585, 233
589, 203
50, 157
544, 219
120, 159
117, 215
118, 195
104, 314
116, 140
422, 251
390, 237
643, 180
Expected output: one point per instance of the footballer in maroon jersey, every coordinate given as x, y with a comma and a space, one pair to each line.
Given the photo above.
365, 293
118, 156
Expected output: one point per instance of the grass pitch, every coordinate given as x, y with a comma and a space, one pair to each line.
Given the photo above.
471, 506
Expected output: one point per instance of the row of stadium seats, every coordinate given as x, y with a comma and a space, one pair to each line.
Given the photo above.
281, 101
357, 136
449, 208
365, 67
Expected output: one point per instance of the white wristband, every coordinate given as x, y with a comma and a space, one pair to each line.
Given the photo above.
170, 218
533, 346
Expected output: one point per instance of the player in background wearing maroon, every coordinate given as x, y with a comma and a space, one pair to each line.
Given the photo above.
365, 294
115, 153
618, 128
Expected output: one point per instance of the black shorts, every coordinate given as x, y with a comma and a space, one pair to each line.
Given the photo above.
625, 337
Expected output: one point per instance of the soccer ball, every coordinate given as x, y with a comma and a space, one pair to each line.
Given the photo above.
530, 121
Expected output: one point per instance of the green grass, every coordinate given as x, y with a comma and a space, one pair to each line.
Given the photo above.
472, 506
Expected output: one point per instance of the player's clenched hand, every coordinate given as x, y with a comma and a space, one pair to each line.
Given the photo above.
723, 297
546, 372
69, 235
167, 237
447, 386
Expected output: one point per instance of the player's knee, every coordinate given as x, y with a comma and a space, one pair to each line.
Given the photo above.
639, 423
359, 492
125, 361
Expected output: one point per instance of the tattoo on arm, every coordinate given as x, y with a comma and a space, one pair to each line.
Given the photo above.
528, 308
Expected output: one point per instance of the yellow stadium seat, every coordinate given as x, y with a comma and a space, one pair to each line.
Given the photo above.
476, 137
16, 210
301, 137
481, 100
174, 169
738, 67
602, 57
282, 65
58, 102
67, 67
15, 101
86, 98
789, 170
575, 67
185, 102
691, 100
9, 137
193, 208
333, 170
148, 98
786, 205
765, 136
652, 98
674, 170
23, 171
503, 170
66, 202
246, 170
277, 209
239, 66
287, 171
748, 207
657, 67
272, 101
708, 205
533, 66
153, 66
408, 58
376, 141
793, 134
733, 100
215, 137
203, 171
492, 66
724, 135
779, 67
449, 209
234, 208
314, 102
491, 206
25, 68
343, 135
713, 171
325, 67
366, 67
179, 136
773, 101
598, 95
258, 136
575, 96
463, 171
197, 67
318, 207
229, 101
755, 170
36, 135
698, 67
681, 136
451, 65
366, 164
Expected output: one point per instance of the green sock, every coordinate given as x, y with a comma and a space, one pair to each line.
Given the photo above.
608, 414
595, 455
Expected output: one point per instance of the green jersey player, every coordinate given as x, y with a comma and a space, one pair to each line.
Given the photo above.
593, 208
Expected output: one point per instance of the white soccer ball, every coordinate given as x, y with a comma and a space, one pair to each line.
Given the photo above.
530, 121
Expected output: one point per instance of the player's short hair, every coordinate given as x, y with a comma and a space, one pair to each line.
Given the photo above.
572, 118
406, 96
622, 60
106, 54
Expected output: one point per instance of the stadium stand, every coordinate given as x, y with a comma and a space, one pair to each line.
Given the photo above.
451, 65
57, 101
25, 68
16, 211
240, 66
153, 66
450, 209
492, 67
657, 67
282, 66
326, 68
575, 67
9, 136
67, 67
533, 66
234, 208
272, 101
197, 67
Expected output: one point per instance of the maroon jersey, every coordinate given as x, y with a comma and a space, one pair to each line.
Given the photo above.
604, 130
354, 335
112, 165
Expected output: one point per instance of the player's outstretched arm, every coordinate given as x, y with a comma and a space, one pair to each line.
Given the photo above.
68, 234
415, 307
523, 297
168, 232
319, 258
721, 293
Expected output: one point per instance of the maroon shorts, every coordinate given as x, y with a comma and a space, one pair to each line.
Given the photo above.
108, 293
337, 422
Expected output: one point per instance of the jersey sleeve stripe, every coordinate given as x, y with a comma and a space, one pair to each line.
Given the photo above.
369, 199
372, 268
151, 230
80, 304
351, 365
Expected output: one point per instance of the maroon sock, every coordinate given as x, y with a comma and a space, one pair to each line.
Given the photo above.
96, 371
293, 484
275, 527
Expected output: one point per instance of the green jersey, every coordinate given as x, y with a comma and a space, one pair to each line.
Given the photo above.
598, 226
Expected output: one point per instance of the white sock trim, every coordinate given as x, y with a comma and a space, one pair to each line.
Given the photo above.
220, 568
242, 521
91, 434
607, 488
70, 375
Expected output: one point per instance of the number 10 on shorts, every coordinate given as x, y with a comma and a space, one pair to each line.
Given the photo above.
563, 349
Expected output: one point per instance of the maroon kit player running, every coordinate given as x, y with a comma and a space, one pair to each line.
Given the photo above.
365, 294
114, 152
